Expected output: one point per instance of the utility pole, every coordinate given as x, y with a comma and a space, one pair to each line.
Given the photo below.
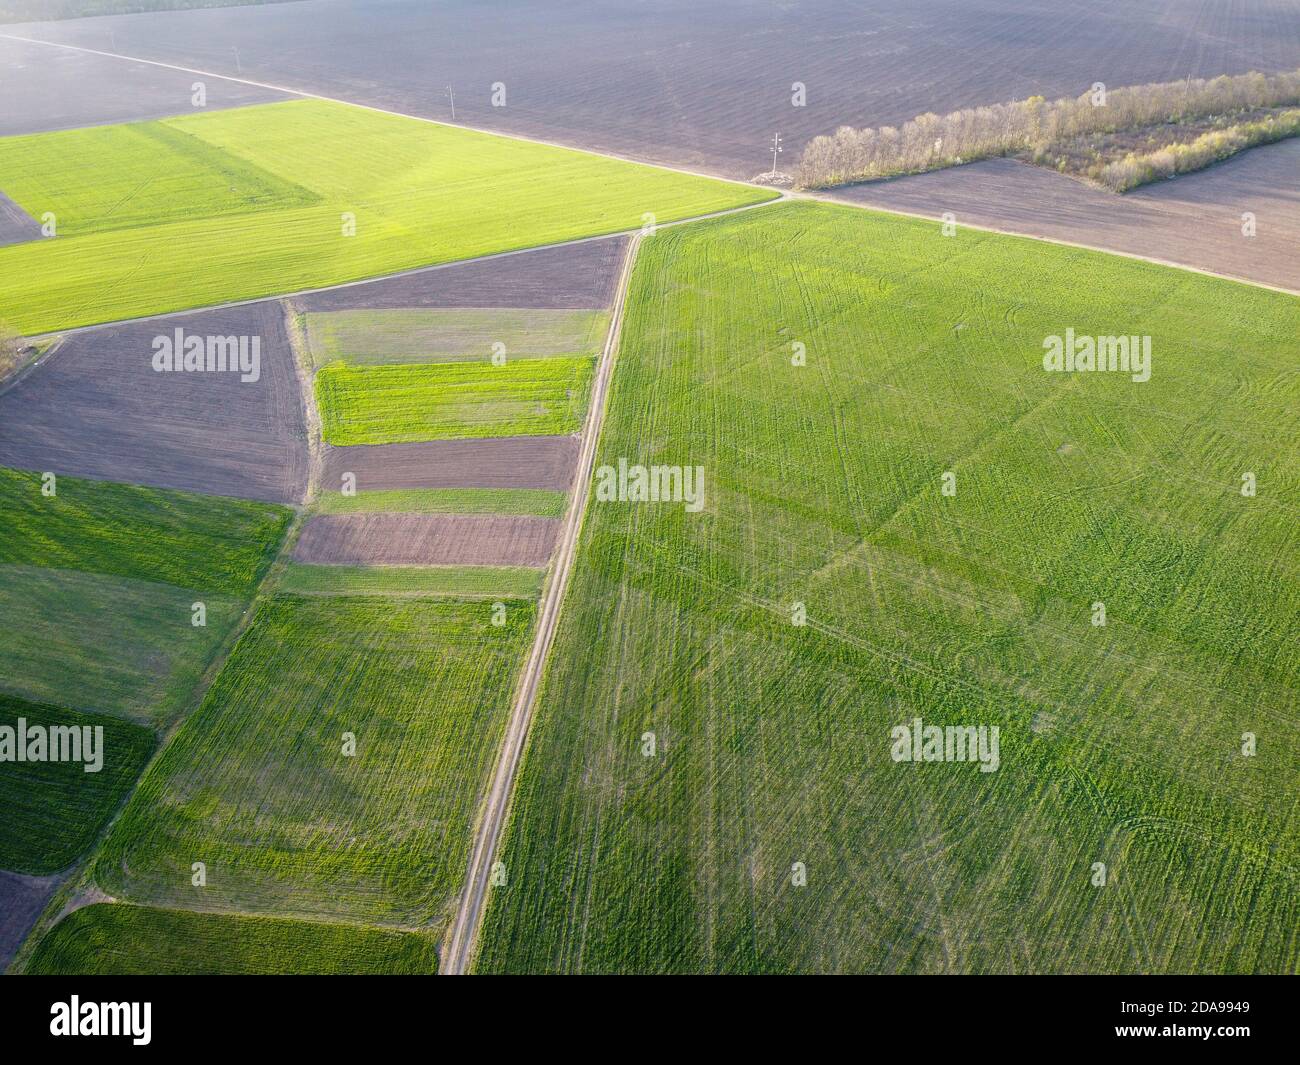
452, 96
776, 147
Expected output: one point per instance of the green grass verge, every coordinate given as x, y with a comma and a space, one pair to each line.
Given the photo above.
1119, 744
255, 783
123, 940
393, 404
209, 543
393, 193
540, 502
373, 337
477, 582
122, 646
54, 810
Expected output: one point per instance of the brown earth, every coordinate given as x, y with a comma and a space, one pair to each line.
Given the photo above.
704, 85
1194, 220
427, 540
503, 462
16, 225
48, 88
572, 276
95, 407
22, 898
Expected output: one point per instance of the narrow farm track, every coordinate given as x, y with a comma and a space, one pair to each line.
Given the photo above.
462, 936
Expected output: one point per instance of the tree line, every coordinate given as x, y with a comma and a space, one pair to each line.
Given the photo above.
931, 142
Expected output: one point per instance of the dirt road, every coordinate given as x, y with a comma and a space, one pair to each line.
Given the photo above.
458, 953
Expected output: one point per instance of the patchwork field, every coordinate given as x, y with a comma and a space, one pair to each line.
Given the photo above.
427, 539
138, 940
96, 407
54, 810
98, 586
1122, 744
463, 335
257, 786
322, 193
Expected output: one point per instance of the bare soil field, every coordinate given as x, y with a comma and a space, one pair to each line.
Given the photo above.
501, 462
16, 225
52, 88
1194, 220
702, 86
427, 540
574, 276
95, 407
22, 898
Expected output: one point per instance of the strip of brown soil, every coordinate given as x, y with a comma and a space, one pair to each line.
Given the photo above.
501, 462
427, 539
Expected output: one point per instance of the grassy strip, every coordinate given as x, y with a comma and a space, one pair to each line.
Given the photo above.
123, 940
392, 404
54, 810
461, 335
540, 502
477, 582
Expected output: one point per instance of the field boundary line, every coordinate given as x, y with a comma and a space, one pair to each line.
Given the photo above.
462, 937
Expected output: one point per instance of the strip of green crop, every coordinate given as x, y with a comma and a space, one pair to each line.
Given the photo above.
125, 940
54, 809
392, 404
209, 543
906, 516
541, 502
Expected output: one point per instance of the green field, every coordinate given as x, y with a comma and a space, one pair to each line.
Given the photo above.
151, 534
112, 644
540, 502
467, 582
234, 222
123, 940
1119, 744
98, 586
394, 404
256, 783
457, 335
54, 810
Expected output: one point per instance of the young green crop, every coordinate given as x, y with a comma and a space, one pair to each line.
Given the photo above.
709, 784
463, 582
390, 194
335, 766
54, 809
393, 404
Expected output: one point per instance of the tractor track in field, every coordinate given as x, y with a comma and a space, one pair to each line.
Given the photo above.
462, 936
